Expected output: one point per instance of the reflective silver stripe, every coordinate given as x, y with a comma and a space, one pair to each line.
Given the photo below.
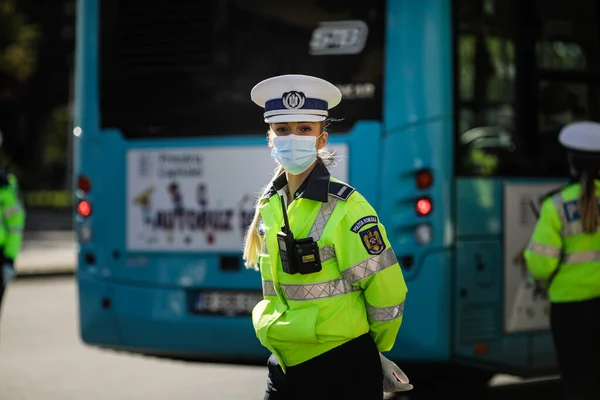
319, 290
316, 230
384, 314
326, 253
581, 257
15, 229
310, 291
370, 266
544, 249
322, 217
557, 199
268, 288
573, 228
11, 211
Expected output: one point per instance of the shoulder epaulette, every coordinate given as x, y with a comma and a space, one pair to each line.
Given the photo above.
270, 191
340, 190
551, 193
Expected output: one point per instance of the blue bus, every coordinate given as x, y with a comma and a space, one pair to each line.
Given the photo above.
448, 127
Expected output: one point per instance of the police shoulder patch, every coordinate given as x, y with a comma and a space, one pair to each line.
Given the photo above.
571, 210
372, 239
371, 219
340, 190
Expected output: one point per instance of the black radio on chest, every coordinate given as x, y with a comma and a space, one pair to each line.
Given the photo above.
299, 256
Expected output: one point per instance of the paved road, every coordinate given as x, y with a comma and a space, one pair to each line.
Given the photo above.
47, 252
42, 358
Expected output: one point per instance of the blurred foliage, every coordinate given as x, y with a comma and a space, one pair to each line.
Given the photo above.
18, 58
55, 142
36, 63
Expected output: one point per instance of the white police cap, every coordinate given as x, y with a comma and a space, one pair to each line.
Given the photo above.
295, 98
581, 136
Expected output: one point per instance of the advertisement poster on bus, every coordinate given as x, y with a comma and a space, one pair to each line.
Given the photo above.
525, 309
198, 199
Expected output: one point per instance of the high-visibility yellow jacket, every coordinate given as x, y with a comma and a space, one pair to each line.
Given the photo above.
560, 253
360, 288
13, 216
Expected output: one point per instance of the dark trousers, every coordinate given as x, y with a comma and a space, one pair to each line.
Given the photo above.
350, 371
576, 333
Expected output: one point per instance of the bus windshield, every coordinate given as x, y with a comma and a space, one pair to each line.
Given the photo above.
186, 68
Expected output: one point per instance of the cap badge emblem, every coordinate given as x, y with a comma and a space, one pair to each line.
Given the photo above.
293, 100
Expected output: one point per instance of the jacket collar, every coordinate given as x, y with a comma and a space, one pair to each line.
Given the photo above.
315, 186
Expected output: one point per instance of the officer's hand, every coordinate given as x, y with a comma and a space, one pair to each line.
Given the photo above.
8, 273
394, 379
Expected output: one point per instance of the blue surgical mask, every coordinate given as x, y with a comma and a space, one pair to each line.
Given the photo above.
295, 153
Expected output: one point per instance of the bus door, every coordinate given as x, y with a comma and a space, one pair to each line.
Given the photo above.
524, 70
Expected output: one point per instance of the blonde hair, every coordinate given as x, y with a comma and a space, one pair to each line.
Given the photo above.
253, 241
588, 204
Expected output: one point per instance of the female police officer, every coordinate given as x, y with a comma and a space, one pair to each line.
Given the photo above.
333, 290
564, 251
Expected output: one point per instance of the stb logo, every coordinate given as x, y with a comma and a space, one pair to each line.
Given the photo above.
293, 100
339, 37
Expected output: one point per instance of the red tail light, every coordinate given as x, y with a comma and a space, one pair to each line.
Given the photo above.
84, 184
423, 206
424, 179
84, 208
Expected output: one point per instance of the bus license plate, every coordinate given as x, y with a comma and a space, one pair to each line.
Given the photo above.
226, 303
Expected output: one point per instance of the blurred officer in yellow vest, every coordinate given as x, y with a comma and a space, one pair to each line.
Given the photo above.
333, 289
12, 215
564, 253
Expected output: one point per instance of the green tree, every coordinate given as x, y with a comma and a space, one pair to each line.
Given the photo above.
36, 50
18, 59
18, 55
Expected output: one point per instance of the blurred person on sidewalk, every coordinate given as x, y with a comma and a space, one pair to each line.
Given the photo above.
12, 215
